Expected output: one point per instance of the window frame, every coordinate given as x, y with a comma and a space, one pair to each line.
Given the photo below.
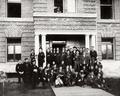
63, 5
108, 41
13, 44
107, 5
8, 2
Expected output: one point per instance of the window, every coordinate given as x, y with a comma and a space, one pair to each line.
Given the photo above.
106, 9
58, 6
13, 49
14, 8
107, 48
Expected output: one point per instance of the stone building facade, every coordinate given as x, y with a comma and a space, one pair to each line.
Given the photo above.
29, 24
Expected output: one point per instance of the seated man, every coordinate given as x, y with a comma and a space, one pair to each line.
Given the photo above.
69, 77
48, 73
54, 73
58, 81
59, 78
100, 82
90, 81
80, 80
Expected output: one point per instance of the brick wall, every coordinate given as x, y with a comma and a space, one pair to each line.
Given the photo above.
82, 6
62, 23
2, 8
16, 28
89, 6
2, 45
40, 6
27, 8
116, 8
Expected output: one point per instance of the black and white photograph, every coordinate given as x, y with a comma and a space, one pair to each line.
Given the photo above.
59, 47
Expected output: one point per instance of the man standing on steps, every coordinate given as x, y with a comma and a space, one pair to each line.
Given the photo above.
41, 57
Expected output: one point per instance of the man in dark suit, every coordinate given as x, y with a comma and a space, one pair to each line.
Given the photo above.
27, 73
32, 56
93, 55
35, 74
49, 57
19, 70
58, 55
41, 57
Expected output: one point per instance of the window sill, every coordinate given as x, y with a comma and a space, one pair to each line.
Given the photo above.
64, 15
15, 19
108, 21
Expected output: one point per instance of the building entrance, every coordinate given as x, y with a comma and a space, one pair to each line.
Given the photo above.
65, 41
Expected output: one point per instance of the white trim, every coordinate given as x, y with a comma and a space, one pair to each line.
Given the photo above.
14, 1
65, 32
70, 5
37, 14
108, 21
16, 19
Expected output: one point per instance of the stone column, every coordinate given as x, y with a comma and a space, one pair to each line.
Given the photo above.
37, 44
43, 36
93, 41
71, 5
87, 41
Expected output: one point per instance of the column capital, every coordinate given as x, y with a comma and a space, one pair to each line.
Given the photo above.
43, 34
93, 34
36, 35
87, 34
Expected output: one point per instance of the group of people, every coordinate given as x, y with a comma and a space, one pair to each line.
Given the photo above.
75, 66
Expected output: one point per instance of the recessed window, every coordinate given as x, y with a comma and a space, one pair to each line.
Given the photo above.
107, 48
13, 49
58, 6
14, 8
106, 9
